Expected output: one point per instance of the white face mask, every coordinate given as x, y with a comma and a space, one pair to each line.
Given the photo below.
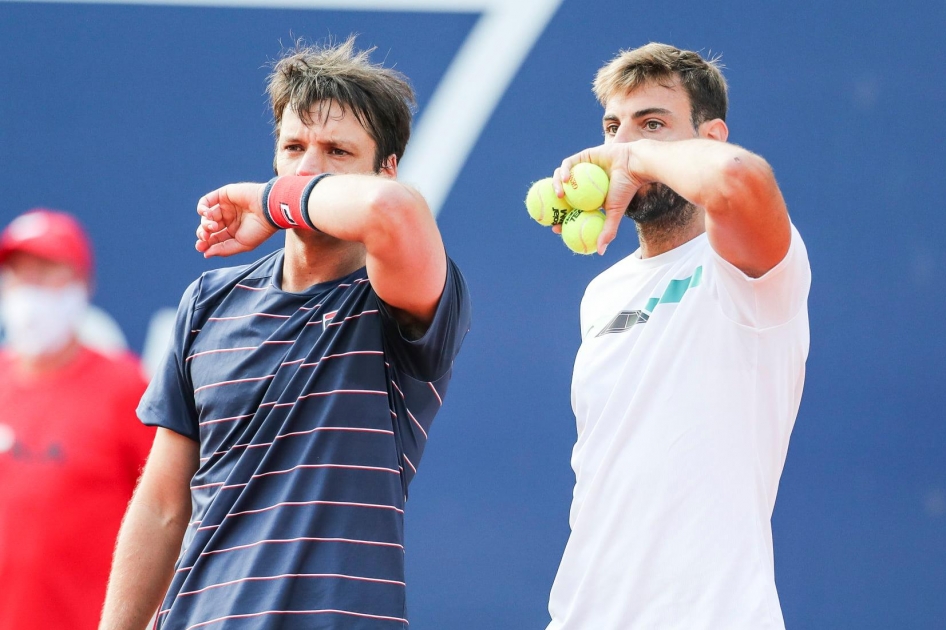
38, 321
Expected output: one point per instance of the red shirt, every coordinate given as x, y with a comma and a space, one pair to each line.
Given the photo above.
71, 450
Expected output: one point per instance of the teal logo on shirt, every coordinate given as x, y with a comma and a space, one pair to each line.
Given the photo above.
673, 294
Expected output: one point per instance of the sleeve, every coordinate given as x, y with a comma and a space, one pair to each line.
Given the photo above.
769, 300
431, 356
169, 400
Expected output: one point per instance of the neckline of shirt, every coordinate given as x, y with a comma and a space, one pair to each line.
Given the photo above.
666, 258
275, 279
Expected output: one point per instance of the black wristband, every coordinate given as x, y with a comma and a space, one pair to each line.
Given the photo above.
305, 199
265, 202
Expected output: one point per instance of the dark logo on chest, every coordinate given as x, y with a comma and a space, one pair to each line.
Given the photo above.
625, 320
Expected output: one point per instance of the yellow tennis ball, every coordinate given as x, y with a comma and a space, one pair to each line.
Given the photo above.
544, 206
587, 186
581, 229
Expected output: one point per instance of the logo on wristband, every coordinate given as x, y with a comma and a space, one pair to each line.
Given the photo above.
284, 208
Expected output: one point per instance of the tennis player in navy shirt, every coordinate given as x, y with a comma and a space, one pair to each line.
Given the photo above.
294, 404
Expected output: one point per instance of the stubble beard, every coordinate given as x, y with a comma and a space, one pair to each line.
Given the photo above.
658, 211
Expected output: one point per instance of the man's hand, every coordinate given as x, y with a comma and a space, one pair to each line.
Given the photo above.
616, 159
232, 220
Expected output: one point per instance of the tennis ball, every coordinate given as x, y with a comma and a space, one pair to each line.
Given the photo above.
544, 206
587, 186
581, 229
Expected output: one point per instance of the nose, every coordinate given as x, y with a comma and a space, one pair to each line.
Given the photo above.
625, 133
311, 163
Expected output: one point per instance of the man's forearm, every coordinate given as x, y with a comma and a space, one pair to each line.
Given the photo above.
366, 208
406, 260
746, 219
148, 545
706, 172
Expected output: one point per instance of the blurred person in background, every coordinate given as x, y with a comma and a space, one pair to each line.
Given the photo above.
71, 447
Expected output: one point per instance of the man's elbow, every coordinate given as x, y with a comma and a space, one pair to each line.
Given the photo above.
396, 214
744, 174
743, 181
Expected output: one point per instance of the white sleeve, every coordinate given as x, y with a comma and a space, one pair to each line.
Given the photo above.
770, 300
583, 315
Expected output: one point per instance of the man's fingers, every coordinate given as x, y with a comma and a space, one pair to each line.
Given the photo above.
225, 248
210, 200
557, 184
604, 157
565, 170
207, 225
611, 223
205, 232
230, 220
214, 213
620, 192
219, 237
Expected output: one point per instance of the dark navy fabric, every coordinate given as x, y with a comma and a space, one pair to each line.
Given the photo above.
312, 412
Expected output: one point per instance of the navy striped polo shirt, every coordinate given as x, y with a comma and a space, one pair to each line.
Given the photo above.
312, 412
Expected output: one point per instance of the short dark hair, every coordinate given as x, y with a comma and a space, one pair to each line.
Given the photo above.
380, 98
662, 64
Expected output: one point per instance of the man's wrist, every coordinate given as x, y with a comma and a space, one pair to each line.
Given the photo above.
286, 199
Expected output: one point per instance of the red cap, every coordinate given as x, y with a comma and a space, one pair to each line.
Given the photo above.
49, 234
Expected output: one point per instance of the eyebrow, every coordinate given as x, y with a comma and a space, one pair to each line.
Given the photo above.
651, 110
351, 146
341, 143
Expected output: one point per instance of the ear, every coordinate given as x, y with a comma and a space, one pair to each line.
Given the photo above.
389, 167
715, 129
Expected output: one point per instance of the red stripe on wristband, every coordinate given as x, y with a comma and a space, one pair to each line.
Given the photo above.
284, 203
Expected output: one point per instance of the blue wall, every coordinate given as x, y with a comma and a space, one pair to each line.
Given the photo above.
126, 115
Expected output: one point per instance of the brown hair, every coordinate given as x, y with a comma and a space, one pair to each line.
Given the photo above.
662, 64
380, 98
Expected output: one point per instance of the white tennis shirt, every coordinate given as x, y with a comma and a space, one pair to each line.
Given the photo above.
685, 391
